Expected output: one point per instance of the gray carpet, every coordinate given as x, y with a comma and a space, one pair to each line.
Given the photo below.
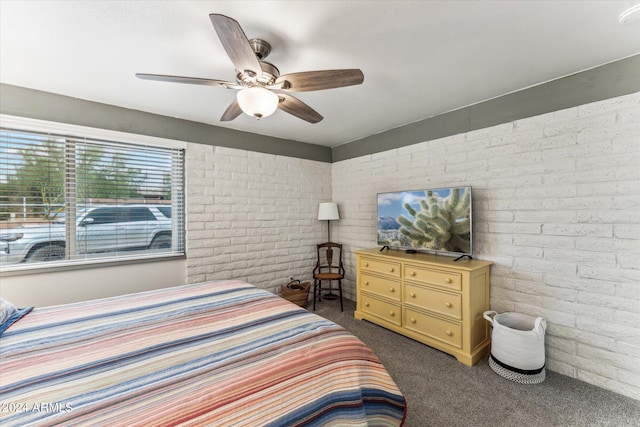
440, 391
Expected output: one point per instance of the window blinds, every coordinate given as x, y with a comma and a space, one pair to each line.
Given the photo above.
126, 200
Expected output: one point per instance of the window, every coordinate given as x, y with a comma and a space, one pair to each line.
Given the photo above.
165, 210
121, 197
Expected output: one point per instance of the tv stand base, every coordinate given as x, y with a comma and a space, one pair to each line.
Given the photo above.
428, 298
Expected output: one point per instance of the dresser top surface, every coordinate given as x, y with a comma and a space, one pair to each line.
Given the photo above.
402, 256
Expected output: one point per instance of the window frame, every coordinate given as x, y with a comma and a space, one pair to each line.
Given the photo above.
114, 137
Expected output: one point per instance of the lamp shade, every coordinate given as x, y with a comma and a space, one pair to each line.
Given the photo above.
328, 211
257, 101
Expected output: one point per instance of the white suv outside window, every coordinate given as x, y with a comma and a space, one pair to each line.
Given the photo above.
100, 231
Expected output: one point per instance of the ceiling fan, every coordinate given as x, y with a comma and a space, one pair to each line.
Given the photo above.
261, 88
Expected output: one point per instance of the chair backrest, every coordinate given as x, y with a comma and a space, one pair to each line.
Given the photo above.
329, 258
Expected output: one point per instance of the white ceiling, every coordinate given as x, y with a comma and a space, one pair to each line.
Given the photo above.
419, 58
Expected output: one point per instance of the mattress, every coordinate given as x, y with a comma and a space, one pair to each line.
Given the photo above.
221, 353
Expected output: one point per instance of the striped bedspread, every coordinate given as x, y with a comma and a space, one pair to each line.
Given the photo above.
220, 353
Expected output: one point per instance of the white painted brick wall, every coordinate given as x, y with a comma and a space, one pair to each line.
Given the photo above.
253, 216
556, 208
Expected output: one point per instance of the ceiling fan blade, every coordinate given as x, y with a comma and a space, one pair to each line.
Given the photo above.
189, 80
231, 112
318, 80
236, 44
295, 107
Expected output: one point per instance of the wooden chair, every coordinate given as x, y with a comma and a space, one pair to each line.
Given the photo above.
328, 268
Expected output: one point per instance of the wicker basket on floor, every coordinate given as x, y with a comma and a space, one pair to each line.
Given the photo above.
296, 292
517, 346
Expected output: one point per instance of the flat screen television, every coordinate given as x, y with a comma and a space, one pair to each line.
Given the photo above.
437, 220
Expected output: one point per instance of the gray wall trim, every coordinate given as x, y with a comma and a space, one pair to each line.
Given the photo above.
35, 104
607, 81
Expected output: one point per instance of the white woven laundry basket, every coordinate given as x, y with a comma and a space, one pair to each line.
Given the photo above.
517, 346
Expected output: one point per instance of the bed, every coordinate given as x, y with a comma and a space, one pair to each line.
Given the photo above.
221, 353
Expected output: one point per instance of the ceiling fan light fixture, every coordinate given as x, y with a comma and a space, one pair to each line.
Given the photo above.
630, 15
256, 79
257, 101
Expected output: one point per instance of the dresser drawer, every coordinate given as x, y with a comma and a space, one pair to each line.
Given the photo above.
382, 267
448, 332
445, 303
385, 310
389, 288
445, 279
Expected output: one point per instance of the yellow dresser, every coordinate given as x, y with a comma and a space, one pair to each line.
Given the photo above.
430, 298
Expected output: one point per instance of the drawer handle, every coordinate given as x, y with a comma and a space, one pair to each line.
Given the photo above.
413, 273
448, 280
366, 304
448, 332
392, 289
366, 283
366, 264
413, 320
391, 270
412, 295
392, 313
448, 304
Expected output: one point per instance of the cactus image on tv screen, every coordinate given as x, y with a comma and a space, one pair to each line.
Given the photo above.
432, 220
